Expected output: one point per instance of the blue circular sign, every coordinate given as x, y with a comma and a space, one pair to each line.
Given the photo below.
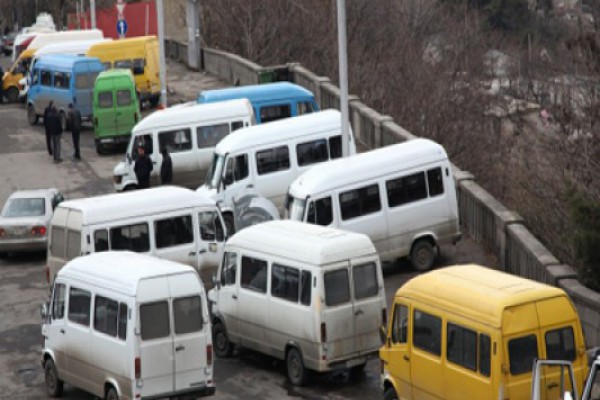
121, 27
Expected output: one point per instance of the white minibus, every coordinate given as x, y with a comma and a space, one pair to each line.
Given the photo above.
402, 196
310, 295
267, 158
122, 325
168, 222
189, 134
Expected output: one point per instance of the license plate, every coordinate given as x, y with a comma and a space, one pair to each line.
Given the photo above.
355, 362
18, 231
106, 140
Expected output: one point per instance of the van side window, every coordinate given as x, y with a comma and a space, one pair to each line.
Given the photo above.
320, 212
211, 228
105, 315
130, 237
273, 113
173, 231
235, 125
254, 274
35, 77
285, 282
400, 324
406, 189
312, 152
101, 240
187, 313
521, 353
240, 167
365, 280
79, 306
305, 107
427, 332
57, 247
73, 244
154, 320
560, 344
138, 66
335, 147
435, 182
82, 81
209, 136
46, 78
359, 202
461, 346
272, 160
337, 287
485, 349
122, 331
58, 301
229, 268
107, 65
125, 64
175, 141
62, 80
123, 97
305, 288
105, 99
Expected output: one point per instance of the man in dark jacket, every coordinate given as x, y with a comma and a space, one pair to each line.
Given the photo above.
143, 167
47, 127
75, 123
166, 168
1, 85
55, 131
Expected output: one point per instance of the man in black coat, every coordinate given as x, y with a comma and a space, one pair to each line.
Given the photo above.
54, 128
75, 124
1, 85
143, 168
166, 168
46, 127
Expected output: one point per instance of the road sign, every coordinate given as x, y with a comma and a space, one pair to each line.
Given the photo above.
121, 27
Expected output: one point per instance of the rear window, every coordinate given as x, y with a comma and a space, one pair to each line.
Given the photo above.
105, 100
154, 320
123, 97
522, 352
187, 314
337, 287
365, 280
560, 344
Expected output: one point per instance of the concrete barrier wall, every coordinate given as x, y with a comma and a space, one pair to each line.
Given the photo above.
498, 229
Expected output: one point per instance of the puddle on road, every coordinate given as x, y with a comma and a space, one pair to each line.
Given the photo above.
28, 374
22, 339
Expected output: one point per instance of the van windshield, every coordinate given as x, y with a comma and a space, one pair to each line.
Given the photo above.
213, 179
296, 208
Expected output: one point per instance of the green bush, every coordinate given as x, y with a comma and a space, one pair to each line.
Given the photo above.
585, 212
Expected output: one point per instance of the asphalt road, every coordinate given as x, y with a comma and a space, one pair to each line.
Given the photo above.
25, 164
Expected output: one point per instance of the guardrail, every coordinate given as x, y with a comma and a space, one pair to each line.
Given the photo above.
484, 218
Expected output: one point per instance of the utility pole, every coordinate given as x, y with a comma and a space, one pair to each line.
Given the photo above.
193, 24
343, 62
161, 46
93, 13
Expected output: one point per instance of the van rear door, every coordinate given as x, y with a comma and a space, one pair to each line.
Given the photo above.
125, 105
105, 108
83, 88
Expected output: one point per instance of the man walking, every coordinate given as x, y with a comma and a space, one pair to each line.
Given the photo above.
166, 168
143, 167
75, 123
47, 126
55, 130
1, 85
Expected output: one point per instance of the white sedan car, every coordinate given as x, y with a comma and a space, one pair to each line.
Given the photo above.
25, 218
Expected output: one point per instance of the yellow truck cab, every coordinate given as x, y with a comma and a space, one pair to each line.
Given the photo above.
17, 72
140, 55
470, 332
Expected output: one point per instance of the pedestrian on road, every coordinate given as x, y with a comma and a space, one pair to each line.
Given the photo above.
75, 123
55, 130
166, 168
1, 85
47, 127
143, 167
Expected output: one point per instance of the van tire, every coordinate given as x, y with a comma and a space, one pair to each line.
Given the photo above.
422, 255
358, 369
32, 117
390, 394
100, 149
297, 373
223, 347
12, 95
54, 386
111, 394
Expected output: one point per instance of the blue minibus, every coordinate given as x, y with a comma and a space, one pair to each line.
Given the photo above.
64, 79
271, 101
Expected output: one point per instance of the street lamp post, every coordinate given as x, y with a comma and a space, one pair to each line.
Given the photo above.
161, 43
343, 63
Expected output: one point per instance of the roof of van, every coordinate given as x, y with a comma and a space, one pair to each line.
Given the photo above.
120, 270
116, 206
281, 130
115, 72
194, 114
307, 243
267, 91
70, 47
475, 291
63, 60
43, 39
368, 165
122, 42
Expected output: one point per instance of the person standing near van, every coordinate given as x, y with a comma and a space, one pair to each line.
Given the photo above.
1, 85
55, 130
47, 127
75, 123
143, 168
166, 168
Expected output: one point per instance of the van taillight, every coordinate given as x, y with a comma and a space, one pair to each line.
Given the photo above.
384, 317
209, 354
47, 268
323, 332
39, 230
138, 368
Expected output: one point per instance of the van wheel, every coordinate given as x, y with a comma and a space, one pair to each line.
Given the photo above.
100, 149
390, 394
111, 394
32, 117
297, 373
64, 123
54, 386
223, 347
228, 220
129, 188
12, 94
422, 255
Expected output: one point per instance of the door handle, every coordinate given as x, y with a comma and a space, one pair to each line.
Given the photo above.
406, 358
358, 312
234, 296
179, 348
192, 253
202, 251
62, 331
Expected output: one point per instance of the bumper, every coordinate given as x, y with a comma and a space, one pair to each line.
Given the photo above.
119, 139
185, 394
345, 363
23, 245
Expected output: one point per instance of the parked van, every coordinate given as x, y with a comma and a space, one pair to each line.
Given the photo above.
306, 294
402, 196
116, 108
122, 325
140, 54
271, 101
64, 79
189, 134
167, 222
469, 332
267, 158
